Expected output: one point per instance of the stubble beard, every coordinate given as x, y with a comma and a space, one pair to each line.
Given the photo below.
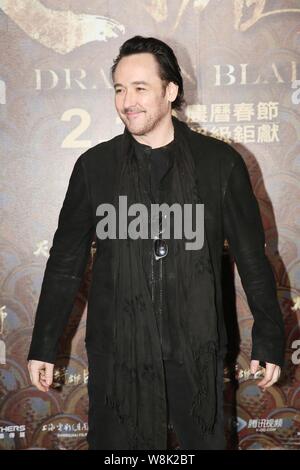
142, 129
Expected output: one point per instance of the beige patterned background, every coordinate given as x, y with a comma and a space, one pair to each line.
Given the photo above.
240, 62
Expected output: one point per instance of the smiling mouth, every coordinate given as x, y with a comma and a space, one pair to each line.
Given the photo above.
133, 114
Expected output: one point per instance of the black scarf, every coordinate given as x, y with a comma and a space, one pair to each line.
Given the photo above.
135, 385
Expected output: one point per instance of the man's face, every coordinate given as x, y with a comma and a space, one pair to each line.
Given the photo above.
141, 99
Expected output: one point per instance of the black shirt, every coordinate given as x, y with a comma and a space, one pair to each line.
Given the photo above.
160, 159
160, 162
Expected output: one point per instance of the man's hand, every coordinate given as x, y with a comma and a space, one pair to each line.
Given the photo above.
272, 373
41, 374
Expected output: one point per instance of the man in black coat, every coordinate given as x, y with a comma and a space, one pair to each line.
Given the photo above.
156, 334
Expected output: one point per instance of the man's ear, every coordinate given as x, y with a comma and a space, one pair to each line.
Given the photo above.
172, 91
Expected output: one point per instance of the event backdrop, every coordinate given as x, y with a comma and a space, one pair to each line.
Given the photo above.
240, 63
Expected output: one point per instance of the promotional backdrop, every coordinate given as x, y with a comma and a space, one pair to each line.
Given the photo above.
240, 63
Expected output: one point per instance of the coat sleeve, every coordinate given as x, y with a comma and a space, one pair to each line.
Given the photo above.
65, 267
244, 231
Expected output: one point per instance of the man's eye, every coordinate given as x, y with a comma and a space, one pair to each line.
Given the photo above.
139, 88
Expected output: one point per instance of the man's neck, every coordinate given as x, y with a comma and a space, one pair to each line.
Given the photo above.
159, 137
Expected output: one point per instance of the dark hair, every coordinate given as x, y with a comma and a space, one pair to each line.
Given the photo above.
169, 69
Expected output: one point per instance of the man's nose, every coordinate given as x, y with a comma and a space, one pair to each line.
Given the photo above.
129, 99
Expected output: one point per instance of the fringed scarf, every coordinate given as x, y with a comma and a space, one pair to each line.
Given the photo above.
135, 386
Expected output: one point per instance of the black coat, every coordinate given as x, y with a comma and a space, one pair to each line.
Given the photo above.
231, 212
